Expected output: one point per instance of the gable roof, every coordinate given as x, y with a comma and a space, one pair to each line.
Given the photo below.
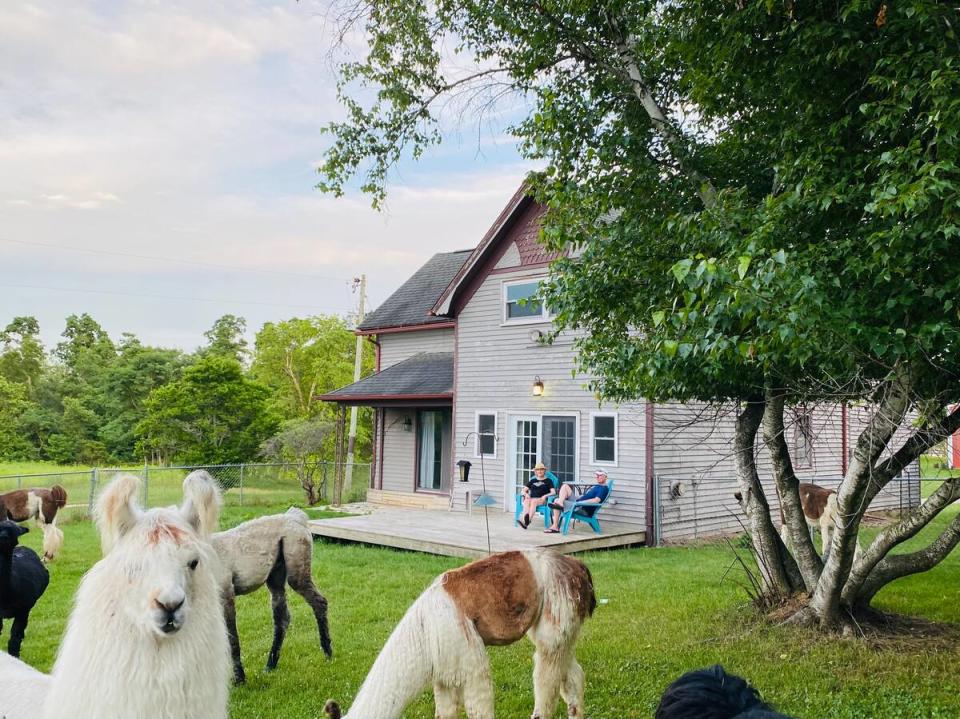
443, 307
428, 375
410, 304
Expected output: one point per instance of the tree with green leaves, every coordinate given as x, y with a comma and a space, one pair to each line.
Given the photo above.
226, 339
763, 197
22, 357
211, 415
302, 443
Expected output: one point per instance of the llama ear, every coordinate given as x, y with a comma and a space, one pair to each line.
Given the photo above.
117, 511
22, 530
201, 502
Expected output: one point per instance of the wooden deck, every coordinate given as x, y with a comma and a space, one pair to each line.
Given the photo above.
456, 534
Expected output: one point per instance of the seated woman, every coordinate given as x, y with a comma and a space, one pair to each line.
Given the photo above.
535, 493
570, 493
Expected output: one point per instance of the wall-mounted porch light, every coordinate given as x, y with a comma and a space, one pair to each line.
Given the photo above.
464, 467
537, 387
407, 424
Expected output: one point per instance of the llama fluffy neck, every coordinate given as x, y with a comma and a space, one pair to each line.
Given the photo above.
402, 670
108, 667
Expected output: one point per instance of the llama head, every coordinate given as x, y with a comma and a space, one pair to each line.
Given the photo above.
161, 555
10, 533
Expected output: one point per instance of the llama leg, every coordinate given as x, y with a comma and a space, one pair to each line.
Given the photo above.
549, 671
302, 583
281, 615
17, 632
230, 617
572, 689
447, 700
478, 689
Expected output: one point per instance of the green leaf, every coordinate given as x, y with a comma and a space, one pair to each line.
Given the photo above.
743, 264
681, 269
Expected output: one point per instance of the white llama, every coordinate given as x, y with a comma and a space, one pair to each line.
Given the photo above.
496, 600
274, 550
146, 637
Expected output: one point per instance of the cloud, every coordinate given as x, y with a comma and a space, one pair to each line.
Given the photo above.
173, 143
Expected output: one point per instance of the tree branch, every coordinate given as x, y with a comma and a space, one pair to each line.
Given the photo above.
902, 565
909, 526
808, 560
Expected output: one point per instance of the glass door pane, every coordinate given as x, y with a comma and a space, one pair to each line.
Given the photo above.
433, 453
526, 449
560, 447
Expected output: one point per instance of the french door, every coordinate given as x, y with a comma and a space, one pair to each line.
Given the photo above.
551, 439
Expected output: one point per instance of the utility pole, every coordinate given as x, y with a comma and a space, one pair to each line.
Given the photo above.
360, 282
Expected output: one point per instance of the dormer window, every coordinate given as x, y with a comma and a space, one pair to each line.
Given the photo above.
522, 302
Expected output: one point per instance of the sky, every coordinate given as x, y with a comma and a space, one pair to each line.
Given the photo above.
159, 169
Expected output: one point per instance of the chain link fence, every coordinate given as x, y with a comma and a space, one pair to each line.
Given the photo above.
266, 485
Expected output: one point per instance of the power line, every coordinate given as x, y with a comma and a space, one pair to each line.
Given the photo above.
169, 297
178, 260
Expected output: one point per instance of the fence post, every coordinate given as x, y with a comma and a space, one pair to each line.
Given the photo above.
94, 479
241, 483
19, 482
146, 484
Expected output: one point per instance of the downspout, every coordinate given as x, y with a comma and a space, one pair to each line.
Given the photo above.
844, 439
651, 495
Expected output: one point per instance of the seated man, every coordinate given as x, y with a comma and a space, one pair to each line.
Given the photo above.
535, 493
570, 493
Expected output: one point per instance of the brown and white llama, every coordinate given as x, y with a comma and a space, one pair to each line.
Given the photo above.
819, 506
42, 505
146, 636
276, 550
493, 601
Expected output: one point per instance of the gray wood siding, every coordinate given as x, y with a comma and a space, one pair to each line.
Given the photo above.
497, 365
694, 447
398, 346
399, 451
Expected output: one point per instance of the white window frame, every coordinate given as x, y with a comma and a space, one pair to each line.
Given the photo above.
476, 428
544, 315
802, 417
616, 439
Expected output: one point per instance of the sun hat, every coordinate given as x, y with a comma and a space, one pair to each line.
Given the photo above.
539, 465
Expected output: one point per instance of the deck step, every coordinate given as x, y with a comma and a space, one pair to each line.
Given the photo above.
407, 499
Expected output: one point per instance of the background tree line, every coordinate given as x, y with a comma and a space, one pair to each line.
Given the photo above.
93, 399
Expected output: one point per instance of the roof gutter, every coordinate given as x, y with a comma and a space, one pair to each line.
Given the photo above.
407, 328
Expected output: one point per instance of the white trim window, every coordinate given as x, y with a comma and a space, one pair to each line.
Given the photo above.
485, 442
522, 303
604, 449
803, 440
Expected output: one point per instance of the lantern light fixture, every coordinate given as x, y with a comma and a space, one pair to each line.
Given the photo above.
407, 424
537, 386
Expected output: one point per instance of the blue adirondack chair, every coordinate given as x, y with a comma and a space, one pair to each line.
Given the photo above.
584, 512
543, 509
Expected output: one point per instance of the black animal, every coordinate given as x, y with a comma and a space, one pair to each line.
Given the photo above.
712, 693
23, 579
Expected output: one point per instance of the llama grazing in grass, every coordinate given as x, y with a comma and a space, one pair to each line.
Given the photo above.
146, 636
712, 693
275, 550
492, 601
23, 579
42, 505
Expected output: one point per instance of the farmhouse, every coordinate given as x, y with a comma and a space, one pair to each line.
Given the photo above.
463, 375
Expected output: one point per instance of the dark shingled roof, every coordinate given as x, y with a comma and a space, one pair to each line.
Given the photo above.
428, 375
410, 304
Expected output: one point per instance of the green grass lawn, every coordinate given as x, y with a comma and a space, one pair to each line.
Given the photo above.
665, 611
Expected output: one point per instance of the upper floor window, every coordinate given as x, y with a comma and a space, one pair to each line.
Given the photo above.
803, 440
603, 438
522, 302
